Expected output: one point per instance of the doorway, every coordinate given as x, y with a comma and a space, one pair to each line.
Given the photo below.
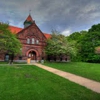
32, 55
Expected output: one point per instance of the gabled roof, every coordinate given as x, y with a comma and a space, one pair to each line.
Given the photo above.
14, 29
48, 36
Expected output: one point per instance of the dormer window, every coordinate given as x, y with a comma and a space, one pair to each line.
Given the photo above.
33, 40
28, 41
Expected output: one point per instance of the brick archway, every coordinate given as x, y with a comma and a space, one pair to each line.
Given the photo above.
32, 53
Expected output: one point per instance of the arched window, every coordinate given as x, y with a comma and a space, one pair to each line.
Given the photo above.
37, 41
28, 41
33, 40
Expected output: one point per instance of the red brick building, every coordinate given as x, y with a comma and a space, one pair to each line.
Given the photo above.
33, 40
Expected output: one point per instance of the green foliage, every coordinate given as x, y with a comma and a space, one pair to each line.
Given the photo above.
59, 44
95, 28
88, 45
8, 41
74, 36
77, 37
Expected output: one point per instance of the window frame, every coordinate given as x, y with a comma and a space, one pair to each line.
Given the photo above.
37, 41
32, 40
28, 40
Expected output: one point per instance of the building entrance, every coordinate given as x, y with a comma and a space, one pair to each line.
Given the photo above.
32, 55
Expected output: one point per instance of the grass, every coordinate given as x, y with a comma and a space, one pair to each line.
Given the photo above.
6, 62
88, 70
28, 82
3, 62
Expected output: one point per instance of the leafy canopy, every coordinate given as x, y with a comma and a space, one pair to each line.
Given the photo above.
88, 44
59, 44
95, 28
8, 41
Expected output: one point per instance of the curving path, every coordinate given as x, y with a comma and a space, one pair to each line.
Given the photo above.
90, 84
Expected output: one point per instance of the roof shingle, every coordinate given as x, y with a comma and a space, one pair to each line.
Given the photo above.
15, 30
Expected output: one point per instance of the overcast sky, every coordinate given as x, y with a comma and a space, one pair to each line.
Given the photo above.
65, 16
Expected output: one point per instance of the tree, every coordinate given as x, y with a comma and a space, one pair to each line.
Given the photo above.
88, 47
90, 44
95, 28
74, 36
59, 44
77, 37
8, 41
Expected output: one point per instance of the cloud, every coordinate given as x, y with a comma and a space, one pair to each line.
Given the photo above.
90, 11
52, 14
66, 32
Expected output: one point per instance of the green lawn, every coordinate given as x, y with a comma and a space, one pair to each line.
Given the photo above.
28, 82
4, 62
88, 70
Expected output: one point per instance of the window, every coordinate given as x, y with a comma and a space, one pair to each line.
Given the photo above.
33, 41
37, 41
28, 41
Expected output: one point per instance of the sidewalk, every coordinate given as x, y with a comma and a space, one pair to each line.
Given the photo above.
90, 84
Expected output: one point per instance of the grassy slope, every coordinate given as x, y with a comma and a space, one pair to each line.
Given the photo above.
88, 70
32, 83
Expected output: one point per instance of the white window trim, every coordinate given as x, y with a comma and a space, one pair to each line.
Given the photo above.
33, 41
37, 41
28, 41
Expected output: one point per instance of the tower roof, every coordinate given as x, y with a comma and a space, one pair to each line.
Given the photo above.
28, 21
29, 18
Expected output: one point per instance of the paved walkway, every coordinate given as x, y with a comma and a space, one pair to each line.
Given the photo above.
90, 84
